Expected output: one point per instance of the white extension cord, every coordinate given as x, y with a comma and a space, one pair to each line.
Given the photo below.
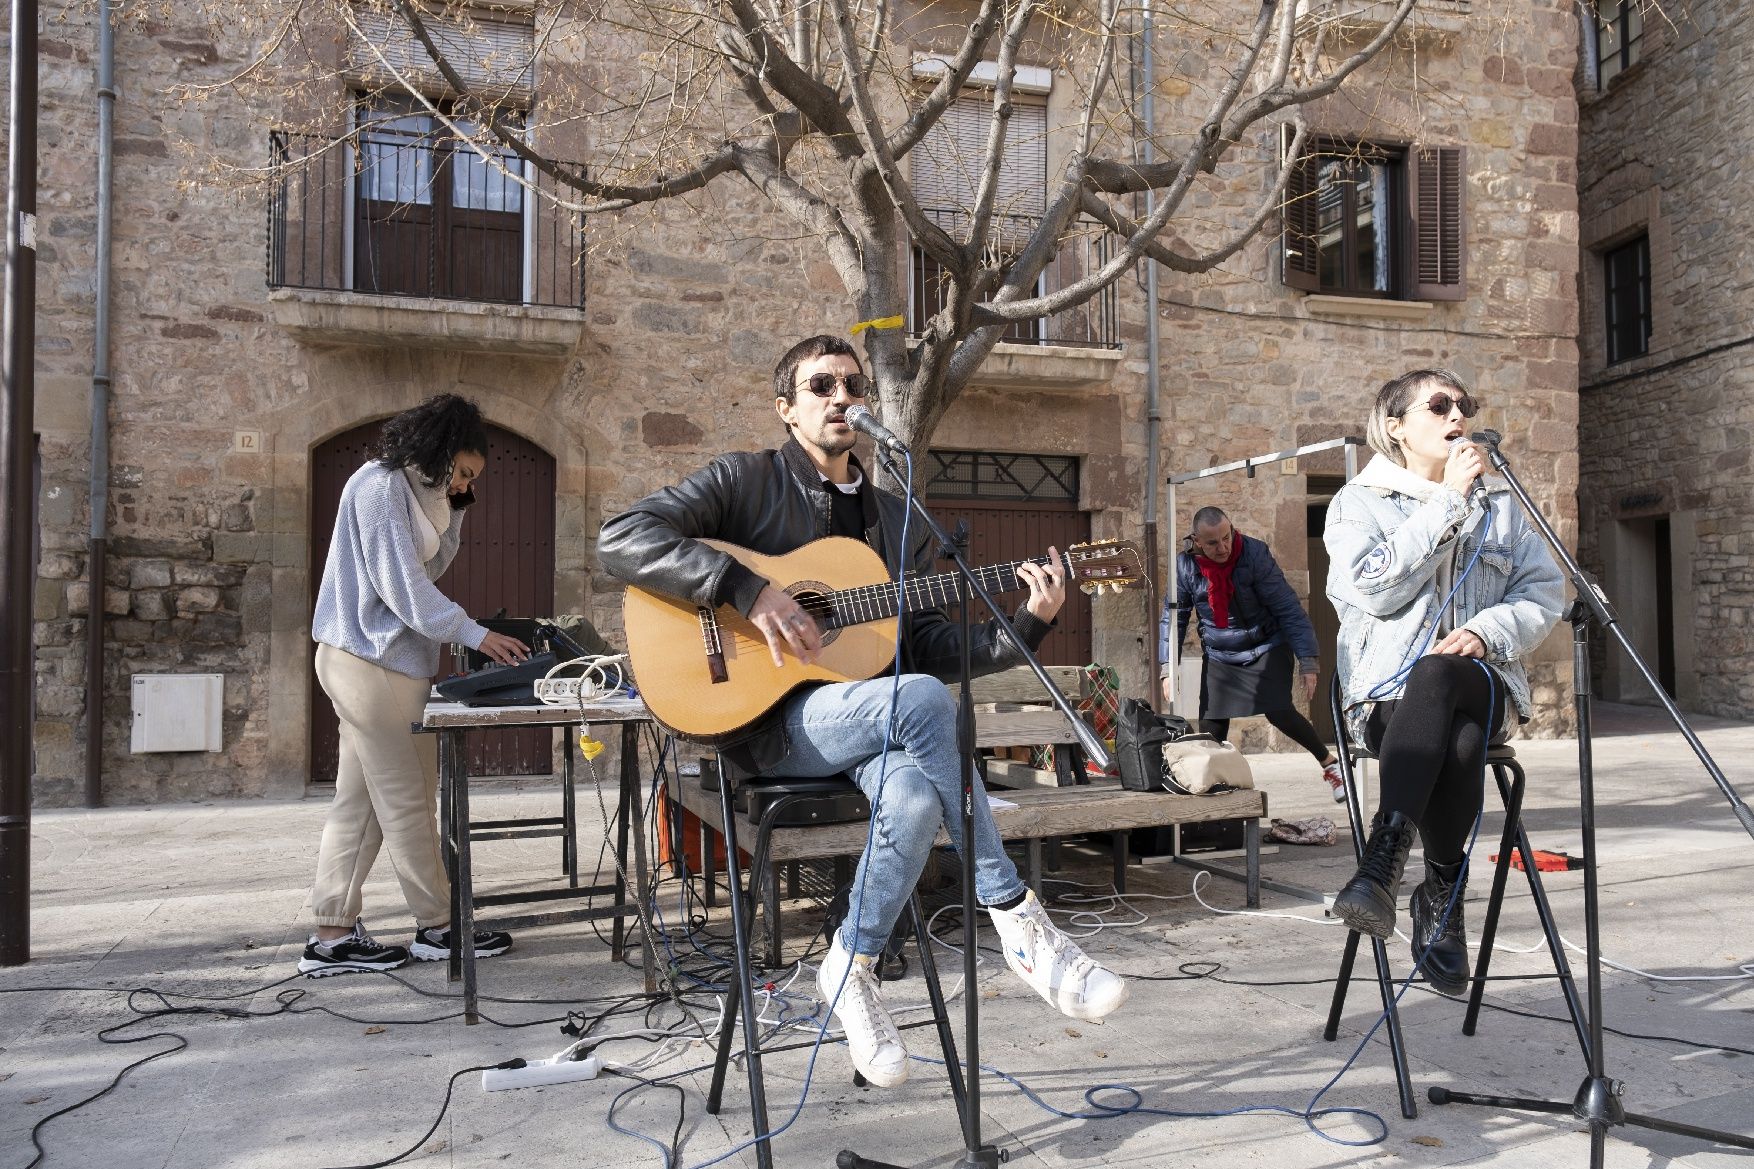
538, 1073
558, 691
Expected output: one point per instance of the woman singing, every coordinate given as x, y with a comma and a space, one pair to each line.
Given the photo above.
1443, 587
379, 624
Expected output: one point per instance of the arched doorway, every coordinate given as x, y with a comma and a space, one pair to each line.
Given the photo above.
506, 562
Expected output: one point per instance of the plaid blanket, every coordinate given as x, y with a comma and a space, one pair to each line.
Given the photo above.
1098, 705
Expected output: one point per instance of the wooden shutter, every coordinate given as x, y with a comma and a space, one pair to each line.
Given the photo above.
1299, 245
1436, 176
946, 170
494, 58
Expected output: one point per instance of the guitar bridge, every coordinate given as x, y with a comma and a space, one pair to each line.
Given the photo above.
715, 649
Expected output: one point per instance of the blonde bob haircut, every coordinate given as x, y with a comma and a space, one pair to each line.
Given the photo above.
1397, 396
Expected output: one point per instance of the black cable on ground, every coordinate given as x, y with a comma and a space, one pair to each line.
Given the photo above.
450, 1087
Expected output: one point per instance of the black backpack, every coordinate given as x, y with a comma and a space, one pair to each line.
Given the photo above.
1140, 734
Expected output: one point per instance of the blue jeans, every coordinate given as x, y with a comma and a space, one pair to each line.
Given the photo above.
840, 727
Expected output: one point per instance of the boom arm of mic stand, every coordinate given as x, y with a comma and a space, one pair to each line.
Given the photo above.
1593, 599
1094, 748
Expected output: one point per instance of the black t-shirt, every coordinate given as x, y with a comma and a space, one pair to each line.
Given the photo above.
847, 512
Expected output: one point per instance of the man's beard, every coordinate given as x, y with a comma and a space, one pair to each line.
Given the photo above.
835, 444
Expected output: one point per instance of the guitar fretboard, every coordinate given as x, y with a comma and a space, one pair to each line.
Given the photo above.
877, 602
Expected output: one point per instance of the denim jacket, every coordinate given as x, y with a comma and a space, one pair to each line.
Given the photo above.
1389, 536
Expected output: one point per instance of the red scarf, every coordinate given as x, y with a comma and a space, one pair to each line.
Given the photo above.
1219, 586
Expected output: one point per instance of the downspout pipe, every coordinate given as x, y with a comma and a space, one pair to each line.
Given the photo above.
1153, 388
97, 547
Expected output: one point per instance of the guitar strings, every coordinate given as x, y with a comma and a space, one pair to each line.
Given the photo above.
824, 606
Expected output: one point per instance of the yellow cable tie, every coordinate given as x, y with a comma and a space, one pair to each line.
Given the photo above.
895, 322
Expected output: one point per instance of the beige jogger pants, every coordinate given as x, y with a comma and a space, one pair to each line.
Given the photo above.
386, 792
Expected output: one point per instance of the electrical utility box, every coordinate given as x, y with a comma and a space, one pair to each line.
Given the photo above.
177, 712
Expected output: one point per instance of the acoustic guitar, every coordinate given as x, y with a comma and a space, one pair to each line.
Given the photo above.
705, 672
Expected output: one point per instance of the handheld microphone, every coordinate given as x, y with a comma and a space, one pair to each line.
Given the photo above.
861, 419
1476, 489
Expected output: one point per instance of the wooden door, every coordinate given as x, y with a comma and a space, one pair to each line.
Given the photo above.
506, 562
1001, 532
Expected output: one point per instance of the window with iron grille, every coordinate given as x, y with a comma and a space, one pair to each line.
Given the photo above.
1001, 476
1370, 220
947, 168
432, 216
1626, 296
1619, 37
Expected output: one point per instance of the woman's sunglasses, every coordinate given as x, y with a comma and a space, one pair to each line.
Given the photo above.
822, 384
1441, 404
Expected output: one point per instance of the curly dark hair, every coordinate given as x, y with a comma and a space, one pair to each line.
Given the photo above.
431, 436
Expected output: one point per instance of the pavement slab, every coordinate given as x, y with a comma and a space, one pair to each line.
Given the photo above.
1225, 1017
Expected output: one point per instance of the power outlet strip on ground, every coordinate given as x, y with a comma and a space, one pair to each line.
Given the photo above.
538, 1073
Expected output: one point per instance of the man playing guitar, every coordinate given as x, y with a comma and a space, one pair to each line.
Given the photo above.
773, 502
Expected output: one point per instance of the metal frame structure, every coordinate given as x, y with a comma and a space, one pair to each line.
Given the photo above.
1349, 445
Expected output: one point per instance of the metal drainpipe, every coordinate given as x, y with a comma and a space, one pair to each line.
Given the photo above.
100, 415
1153, 418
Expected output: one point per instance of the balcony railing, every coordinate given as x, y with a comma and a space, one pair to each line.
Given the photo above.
1091, 325
399, 214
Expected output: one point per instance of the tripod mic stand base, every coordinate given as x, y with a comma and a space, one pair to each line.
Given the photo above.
985, 1157
1598, 1102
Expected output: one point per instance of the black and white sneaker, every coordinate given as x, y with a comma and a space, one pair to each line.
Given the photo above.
356, 951
434, 945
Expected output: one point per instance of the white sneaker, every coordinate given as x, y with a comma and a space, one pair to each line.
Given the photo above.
1049, 961
872, 1037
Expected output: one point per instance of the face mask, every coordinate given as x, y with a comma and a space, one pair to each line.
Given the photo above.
459, 502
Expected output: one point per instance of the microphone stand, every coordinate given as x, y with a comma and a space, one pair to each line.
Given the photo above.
1598, 1099
975, 1154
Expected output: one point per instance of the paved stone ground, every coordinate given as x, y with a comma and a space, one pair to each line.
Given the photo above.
205, 899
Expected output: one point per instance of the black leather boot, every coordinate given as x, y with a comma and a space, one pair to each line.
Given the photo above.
1367, 903
1447, 968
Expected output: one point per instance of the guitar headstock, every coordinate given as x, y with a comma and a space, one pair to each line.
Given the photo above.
1107, 564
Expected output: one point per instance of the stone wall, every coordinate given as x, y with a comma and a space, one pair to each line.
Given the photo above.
1667, 436
210, 543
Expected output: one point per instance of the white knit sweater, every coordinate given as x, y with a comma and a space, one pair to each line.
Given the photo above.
377, 599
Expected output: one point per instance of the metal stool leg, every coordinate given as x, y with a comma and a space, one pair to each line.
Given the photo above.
1512, 795
940, 1008
744, 995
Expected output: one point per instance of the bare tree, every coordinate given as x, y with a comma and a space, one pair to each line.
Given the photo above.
820, 105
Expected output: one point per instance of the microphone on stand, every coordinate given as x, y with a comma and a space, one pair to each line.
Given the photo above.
862, 420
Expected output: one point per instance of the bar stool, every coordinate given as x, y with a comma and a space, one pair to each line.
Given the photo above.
1507, 771
784, 795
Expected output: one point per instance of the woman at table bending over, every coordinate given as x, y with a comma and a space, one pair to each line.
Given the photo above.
1443, 587
379, 625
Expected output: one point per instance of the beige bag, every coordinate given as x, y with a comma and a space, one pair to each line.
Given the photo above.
1199, 765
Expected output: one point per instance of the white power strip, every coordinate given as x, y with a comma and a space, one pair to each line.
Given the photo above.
538, 1073
558, 689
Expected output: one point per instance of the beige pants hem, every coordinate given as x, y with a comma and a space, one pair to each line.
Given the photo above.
386, 794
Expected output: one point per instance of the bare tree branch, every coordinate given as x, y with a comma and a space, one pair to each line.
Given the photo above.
869, 128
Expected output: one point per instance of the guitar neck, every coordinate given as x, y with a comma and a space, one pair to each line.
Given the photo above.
880, 601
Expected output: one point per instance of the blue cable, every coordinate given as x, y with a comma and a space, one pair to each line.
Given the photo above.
870, 830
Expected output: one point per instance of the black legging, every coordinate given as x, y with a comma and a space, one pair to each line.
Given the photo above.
1431, 747
1288, 721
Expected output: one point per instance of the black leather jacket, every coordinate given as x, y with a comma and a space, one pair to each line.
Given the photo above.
773, 502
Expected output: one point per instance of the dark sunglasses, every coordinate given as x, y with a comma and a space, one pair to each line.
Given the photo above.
1441, 404
822, 384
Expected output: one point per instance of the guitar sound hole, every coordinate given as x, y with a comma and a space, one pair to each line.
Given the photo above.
812, 595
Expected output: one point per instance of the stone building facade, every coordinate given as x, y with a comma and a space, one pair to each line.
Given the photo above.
1666, 357
225, 389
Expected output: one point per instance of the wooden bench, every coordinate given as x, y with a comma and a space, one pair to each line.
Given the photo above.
1039, 814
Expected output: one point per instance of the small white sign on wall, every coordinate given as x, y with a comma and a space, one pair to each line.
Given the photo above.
177, 712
